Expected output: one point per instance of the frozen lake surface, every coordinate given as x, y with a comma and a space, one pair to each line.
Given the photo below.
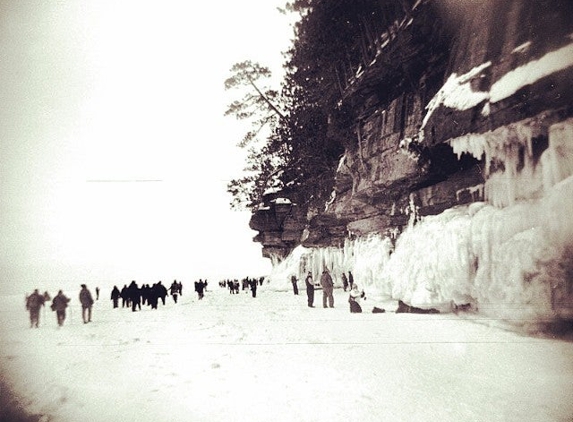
271, 358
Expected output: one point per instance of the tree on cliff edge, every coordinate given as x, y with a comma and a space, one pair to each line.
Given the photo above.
333, 40
261, 107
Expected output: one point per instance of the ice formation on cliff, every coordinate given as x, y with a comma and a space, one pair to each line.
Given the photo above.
510, 257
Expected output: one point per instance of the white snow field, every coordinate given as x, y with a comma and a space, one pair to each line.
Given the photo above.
271, 358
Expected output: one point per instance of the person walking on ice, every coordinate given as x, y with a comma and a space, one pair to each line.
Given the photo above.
350, 280
59, 304
294, 280
309, 289
344, 282
174, 290
87, 302
327, 289
33, 304
115, 295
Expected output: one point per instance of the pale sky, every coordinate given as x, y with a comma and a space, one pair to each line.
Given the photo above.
114, 151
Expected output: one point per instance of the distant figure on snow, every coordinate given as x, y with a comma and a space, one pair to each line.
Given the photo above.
33, 304
97, 293
344, 282
161, 291
350, 279
115, 295
293, 280
309, 289
59, 304
134, 295
327, 289
354, 300
124, 296
153, 298
174, 290
87, 302
199, 288
253, 282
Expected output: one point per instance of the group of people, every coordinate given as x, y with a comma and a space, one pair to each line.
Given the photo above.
35, 302
247, 283
347, 282
327, 285
134, 296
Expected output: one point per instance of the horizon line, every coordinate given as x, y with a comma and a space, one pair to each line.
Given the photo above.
122, 180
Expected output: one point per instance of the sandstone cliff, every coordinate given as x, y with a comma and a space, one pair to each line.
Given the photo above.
447, 72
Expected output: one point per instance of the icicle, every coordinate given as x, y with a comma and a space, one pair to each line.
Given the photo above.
557, 159
412, 211
476, 192
511, 146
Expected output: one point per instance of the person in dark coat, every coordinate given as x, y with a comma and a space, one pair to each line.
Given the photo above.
294, 281
253, 282
350, 280
59, 304
145, 294
344, 282
309, 289
124, 296
199, 288
87, 302
153, 298
134, 296
161, 292
327, 289
115, 295
174, 290
34, 303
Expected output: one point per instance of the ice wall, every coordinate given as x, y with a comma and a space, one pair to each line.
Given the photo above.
302, 260
510, 257
510, 168
511, 262
365, 257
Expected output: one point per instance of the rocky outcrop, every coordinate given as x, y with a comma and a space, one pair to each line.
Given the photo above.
280, 223
449, 74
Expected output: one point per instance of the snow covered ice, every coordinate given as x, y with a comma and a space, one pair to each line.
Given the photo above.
234, 357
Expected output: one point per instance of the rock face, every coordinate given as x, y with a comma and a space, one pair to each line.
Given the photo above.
280, 224
450, 75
